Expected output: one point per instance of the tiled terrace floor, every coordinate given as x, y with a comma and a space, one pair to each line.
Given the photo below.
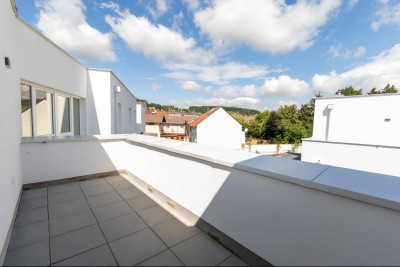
105, 221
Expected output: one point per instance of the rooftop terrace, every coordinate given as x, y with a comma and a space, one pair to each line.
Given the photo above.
220, 202
106, 222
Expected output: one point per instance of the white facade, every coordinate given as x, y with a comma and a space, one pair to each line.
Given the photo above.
221, 130
112, 108
44, 67
359, 132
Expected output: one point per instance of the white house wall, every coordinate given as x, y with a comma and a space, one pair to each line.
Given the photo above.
41, 62
359, 120
10, 123
127, 101
220, 130
99, 103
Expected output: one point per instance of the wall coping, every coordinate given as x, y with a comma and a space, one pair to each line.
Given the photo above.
347, 143
373, 188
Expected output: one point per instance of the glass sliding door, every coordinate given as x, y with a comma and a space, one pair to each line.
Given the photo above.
44, 113
63, 115
26, 110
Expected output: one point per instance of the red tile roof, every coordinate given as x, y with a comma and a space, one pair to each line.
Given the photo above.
179, 119
154, 118
203, 116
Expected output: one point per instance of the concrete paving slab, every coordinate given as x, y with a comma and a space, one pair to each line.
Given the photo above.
135, 248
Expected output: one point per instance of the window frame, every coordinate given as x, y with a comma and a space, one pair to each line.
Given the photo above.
54, 105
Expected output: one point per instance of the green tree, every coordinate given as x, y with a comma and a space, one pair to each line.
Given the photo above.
256, 127
349, 90
241, 119
389, 89
285, 126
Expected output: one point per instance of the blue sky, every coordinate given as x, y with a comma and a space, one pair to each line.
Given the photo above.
248, 53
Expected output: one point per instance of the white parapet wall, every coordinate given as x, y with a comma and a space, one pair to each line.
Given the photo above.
287, 212
371, 158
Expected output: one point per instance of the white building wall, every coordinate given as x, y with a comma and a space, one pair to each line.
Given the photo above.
10, 123
128, 123
42, 62
99, 103
153, 129
220, 130
359, 119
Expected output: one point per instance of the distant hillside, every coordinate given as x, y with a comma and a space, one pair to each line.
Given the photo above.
202, 109
242, 111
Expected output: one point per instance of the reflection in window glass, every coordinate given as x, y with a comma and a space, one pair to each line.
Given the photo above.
63, 115
26, 110
44, 113
76, 117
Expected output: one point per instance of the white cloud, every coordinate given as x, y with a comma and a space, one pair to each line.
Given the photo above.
155, 87
381, 70
244, 102
387, 14
337, 51
159, 8
64, 22
284, 86
217, 74
234, 91
351, 4
156, 41
190, 86
268, 26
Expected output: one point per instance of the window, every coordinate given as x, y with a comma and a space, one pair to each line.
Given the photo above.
26, 110
63, 115
44, 113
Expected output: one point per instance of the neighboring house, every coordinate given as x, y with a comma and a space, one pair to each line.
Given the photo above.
357, 132
154, 123
217, 128
176, 127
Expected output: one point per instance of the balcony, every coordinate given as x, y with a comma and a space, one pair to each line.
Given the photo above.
220, 206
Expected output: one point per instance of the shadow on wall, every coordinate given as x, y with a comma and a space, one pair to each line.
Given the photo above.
273, 220
53, 160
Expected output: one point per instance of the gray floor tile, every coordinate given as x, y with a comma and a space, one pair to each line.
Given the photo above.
29, 234
173, 231
130, 193
154, 215
76, 242
97, 190
141, 202
103, 199
122, 185
122, 226
232, 261
36, 254
112, 210
135, 248
115, 179
165, 258
92, 182
200, 250
32, 203
31, 216
100, 256
68, 208
37, 192
71, 222
59, 198
61, 188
